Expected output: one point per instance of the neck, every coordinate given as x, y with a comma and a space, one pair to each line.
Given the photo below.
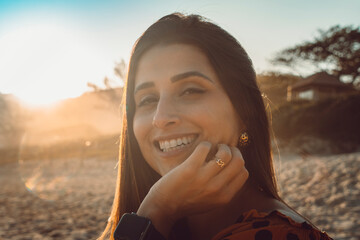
206, 225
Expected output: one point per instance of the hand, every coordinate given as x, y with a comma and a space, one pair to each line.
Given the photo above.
195, 186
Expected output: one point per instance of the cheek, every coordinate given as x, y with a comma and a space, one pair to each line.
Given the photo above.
141, 128
209, 119
222, 123
141, 131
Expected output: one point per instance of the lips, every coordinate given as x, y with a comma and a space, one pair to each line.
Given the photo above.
170, 144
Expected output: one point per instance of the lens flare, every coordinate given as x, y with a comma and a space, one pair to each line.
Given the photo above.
46, 169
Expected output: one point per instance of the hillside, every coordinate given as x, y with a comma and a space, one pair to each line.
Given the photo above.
327, 126
93, 113
85, 124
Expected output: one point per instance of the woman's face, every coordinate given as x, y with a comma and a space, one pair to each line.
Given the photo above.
179, 103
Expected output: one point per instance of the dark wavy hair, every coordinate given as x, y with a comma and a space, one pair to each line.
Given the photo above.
237, 76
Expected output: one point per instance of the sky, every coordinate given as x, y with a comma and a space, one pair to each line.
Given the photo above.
50, 50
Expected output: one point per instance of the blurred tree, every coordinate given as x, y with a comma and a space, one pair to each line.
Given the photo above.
12, 119
3, 110
336, 50
120, 69
107, 83
112, 92
120, 72
273, 86
94, 87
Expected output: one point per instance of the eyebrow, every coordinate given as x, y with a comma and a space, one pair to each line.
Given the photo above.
189, 74
173, 79
143, 86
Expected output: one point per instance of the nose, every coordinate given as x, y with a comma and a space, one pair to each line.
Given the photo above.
166, 114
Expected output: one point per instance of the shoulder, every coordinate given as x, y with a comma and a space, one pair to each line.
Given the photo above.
267, 226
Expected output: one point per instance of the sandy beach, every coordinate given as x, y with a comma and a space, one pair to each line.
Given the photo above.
325, 189
71, 199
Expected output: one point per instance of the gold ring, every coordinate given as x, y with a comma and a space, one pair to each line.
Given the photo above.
220, 162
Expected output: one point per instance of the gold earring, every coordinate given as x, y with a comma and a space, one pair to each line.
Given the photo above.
244, 139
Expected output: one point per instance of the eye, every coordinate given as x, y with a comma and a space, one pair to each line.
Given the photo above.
147, 100
190, 91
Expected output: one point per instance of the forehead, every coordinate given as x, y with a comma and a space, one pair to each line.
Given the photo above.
163, 62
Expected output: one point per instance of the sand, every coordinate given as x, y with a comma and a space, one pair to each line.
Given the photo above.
325, 189
71, 199
63, 200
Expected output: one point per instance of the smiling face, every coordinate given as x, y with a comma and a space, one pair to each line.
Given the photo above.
179, 103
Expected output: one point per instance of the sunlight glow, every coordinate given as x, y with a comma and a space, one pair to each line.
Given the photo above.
45, 62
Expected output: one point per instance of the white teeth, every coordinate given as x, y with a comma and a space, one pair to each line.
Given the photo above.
174, 144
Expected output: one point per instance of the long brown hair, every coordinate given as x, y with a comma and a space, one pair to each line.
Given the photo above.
237, 76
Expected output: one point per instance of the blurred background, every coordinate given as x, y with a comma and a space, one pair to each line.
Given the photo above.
62, 68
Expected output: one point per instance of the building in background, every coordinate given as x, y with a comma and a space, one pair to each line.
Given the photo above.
316, 87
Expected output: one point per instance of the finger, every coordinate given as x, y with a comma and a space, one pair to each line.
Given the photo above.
227, 191
228, 181
235, 184
219, 161
234, 168
197, 158
236, 164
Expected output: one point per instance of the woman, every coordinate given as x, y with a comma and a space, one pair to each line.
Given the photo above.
195, 158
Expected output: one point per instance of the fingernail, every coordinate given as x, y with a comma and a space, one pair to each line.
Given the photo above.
221, 144
207, 143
